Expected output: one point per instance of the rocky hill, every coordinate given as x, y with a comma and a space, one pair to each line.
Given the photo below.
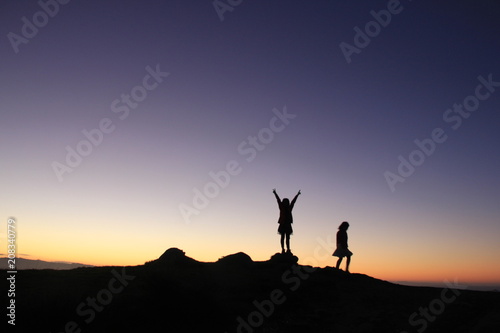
175, 293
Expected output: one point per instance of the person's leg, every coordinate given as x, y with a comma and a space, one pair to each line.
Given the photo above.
288, 242
338, 262
282, 241
347, 263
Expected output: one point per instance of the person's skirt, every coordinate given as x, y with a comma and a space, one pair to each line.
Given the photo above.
341, 252
285, 228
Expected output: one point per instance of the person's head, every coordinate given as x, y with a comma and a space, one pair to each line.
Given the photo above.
286, 202
344, 225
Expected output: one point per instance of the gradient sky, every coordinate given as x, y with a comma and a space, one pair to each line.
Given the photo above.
351, 123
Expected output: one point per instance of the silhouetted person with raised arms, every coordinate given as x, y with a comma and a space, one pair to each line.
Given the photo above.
285, 221
342, 247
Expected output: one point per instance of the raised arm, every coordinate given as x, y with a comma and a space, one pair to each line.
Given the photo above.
276, 195
295, 198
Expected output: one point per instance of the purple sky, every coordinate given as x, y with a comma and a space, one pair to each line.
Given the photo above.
348, 125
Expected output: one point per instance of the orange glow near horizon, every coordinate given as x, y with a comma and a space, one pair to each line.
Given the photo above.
380, 265
395, 252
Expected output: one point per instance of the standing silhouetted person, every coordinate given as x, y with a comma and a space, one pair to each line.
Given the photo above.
342, 247
285, 221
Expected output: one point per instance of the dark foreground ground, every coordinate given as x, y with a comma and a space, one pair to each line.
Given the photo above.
178, 294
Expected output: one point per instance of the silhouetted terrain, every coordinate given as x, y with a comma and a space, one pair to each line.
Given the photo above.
235, 294
22, 263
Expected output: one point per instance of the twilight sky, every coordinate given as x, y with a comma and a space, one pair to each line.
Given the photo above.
131, 127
